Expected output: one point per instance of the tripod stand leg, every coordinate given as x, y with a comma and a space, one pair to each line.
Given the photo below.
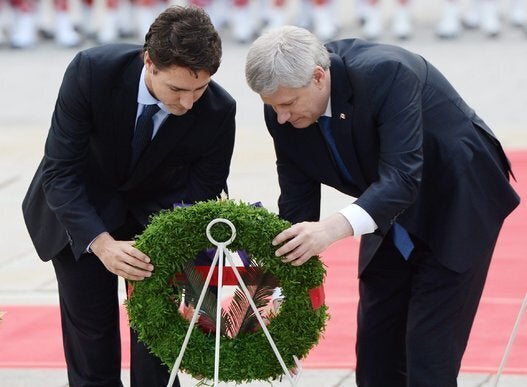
511, 341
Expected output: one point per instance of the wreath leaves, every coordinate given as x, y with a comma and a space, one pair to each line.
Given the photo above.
176, 236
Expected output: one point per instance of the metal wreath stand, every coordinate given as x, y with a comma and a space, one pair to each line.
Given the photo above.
219, 258
511, 341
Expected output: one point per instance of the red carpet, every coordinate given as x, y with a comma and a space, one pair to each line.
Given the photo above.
30, 335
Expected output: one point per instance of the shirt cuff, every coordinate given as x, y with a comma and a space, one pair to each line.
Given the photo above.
359, 219
88, 249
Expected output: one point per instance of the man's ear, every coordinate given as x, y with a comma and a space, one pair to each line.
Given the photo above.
150, 66
319, 75
147, 61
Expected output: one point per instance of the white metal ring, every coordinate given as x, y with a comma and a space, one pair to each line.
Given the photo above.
227, 222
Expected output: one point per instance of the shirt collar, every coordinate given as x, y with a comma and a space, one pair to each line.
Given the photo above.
328, 109
144, 97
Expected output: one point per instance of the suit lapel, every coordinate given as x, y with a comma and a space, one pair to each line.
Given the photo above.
342, 119
125, 109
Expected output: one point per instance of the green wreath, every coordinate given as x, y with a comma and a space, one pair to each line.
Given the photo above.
174, 238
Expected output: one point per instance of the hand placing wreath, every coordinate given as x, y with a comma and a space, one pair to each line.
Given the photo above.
158, 305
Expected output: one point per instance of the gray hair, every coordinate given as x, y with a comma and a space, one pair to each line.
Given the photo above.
284, 57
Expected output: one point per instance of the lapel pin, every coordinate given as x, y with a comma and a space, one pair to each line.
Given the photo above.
342, 116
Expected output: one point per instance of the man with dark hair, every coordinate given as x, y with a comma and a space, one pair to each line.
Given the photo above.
133, 132
428, 183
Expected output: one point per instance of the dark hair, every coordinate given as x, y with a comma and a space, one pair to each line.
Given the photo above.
185, 37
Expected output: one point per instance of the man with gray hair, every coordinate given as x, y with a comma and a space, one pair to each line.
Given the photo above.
428, 183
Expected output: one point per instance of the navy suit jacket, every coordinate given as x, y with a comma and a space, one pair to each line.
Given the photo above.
82, 187
416, 151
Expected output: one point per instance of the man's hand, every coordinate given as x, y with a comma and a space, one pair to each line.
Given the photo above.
306, 239
122, 258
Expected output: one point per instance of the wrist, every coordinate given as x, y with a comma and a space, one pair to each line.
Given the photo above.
338, 226
99, 241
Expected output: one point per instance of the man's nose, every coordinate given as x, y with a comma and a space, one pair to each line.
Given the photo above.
283, 117
187, 100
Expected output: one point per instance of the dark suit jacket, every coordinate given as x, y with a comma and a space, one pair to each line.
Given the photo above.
416, 151
82, 188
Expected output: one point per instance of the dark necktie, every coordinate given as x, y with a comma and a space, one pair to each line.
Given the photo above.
143, 133
401, 238
324, 123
